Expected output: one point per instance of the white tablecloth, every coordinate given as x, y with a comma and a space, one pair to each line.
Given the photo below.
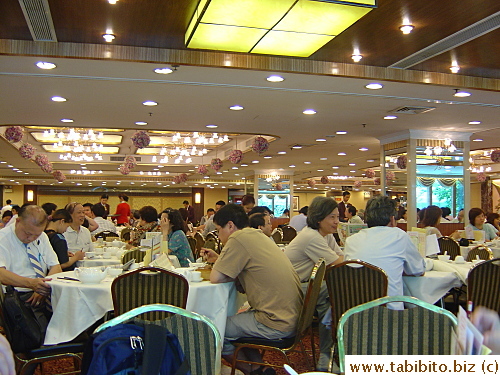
460, 269
432, 286
77, 306
98, 262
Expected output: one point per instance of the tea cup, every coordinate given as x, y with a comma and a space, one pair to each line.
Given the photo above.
90, 255
196, 276
444, 258
459, 259
107, 255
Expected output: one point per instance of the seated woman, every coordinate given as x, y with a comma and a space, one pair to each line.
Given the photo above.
432, 218
7, 215
173, 230
494, 219
476, 222
59, 222
147, 223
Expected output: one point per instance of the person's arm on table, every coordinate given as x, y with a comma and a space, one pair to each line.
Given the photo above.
38, 285
216, 277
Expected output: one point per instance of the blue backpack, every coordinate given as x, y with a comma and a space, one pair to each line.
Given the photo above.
130, 349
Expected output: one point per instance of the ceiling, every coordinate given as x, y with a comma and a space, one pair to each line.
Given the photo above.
106, 91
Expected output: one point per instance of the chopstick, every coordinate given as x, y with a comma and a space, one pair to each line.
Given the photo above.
68, 278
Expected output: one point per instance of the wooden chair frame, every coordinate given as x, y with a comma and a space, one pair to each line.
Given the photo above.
483, 284
483, 251
448, 244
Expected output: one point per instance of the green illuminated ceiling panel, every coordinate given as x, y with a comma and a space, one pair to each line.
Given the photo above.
277, 27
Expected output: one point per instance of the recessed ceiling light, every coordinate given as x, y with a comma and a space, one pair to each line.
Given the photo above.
244, 165
341, 154
341, 132
163, 70
275, 78
149, 103
211, 126
321, 140
45, 65
390, 117
108, 37
236, 107
307, 162
461, 93
297, 147
255, 162
58, 99
291, 166
356, 57
352, 164
142, 123
454, 68
477, 140
363, 149
335, 167
370, 160
474, 122
320, 170
15, 169
374, 86
66, 120
309, 112
406, 29
268, 157
281, 152
323, 158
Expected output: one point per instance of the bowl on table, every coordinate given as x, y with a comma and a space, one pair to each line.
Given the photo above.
444, 258
90, 254
90, 275
205, 272
114, 271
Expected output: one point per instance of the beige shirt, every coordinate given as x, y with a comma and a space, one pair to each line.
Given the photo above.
267, 276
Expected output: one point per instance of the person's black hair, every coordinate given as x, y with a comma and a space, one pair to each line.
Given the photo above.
352, 210
185, 202
98, 210
286, 211
432, 216
231, 212
446, 211
379, 211
210, 210
123, 196
304, 210
136, 214
17, 208
87, 205
346, 193
319, 209
420, 215
473, 213
148, 214
49, 207
105, 196
175, 218
61, 214
8, 201
260, 209
257, 220
247, 199
220, 203
7, 213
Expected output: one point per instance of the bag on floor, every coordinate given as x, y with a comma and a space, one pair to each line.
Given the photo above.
132, 349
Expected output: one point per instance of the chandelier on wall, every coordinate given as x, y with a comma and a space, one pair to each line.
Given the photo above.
77, 144
448, 146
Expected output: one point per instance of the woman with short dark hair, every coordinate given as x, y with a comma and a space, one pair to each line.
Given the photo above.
494, 219
476, 222
147, 223
432, 218
173, 230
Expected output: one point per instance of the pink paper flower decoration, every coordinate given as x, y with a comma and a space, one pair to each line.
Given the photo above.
124, 170
177, 180
235, 156
278, 186
141, 139
325, 180
357, 184
401, 162
14, 134
370, 173
183, 177
216, 164
495, 156
41, 159
389, 175
481, 177
59, 176
47, 168
376, 181
130, 162
27, 151
202, 169
311, 183
260, 145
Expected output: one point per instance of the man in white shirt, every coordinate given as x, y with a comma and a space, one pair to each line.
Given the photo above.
97, 213
26, 256
351, 216
386, 246
7, 207
299, 221
15, 212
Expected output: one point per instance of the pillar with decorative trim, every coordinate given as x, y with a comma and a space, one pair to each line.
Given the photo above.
274, 189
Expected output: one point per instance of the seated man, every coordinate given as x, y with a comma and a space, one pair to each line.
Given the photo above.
265, 274
386, 246
98, 213
261, 221
26, 257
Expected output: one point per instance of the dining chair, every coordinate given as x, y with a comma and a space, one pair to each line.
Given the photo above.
148, 285
27, 362
212, 242
198, 336
288, 345
135, 253
482, 251
277, 236
374, 329
483, 285
125, 234
192, 245
289, 233
105, 234
200, 241
449, 245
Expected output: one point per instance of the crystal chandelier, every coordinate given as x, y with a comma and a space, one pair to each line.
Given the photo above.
438, 150
77, 144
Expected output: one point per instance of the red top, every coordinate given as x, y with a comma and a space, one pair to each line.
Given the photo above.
123, 209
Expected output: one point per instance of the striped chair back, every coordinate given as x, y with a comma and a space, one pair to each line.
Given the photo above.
200, 241
136, 254
483, 285
352, 283
449, 245
106, 234
192, 244
482, 251
125, 234
148, 285
373, 329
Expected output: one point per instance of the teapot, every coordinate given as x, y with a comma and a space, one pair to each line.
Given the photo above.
112, 249
91, 275
117, 243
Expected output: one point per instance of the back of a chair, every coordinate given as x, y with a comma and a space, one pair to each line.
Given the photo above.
198, 336
352, 283
105, 234
148, 285
374, 329
482, 251
136, 254
192, 245
311, 298
125, 234
449, 245
277, 236
483, 285
200, 241
289, 233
